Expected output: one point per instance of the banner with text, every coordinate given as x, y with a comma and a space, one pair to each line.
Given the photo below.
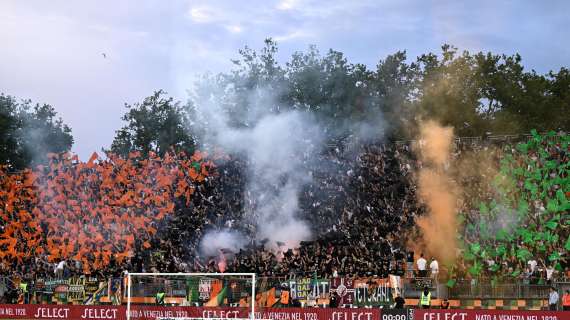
429, 314
51, 312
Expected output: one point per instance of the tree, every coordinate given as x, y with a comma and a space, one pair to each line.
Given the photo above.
446, 90
29, 132
155, 125
559, 95
475, 93
333, 90
9, 124
393, 83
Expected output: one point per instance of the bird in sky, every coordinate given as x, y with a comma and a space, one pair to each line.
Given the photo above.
104, 55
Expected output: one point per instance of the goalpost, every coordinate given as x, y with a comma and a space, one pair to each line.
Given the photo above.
191, 289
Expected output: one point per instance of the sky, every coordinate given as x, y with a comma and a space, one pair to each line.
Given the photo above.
52, 51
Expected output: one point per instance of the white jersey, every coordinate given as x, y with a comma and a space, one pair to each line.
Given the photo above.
434, 266
421, 264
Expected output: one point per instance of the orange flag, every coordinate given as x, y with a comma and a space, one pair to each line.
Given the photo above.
94, 157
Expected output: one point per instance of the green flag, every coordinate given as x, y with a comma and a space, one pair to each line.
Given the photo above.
523, 254
218, 300
552, 224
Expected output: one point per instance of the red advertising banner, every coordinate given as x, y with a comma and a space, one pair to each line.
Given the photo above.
154, 312
318, 314
64, 312
48, 312
151, 313
453, 314
51, 312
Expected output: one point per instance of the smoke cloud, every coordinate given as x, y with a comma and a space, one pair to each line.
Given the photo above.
216, 240
278, 148
480, 172
438, 191
436, 143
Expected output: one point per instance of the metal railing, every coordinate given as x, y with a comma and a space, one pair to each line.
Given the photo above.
478, 140
468, 290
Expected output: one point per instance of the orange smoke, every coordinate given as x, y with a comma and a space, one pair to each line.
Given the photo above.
438, 192
435, 143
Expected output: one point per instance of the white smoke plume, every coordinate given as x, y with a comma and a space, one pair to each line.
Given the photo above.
280, 143
278, 148
214, 241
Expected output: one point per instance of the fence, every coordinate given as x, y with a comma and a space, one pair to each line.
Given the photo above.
467, 290
474, 141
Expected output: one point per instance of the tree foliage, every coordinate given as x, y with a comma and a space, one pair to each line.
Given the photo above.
29, 132
476, 93
155, 125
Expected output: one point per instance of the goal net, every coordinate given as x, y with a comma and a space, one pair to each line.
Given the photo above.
179, 296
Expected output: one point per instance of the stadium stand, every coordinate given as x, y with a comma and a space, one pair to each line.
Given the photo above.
86, 224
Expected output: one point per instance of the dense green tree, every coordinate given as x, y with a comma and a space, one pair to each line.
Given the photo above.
329, 86
477, 93
336, 92
29, 132
155, 125
559, 95
446, 89
9, 124
393, 83
486, 93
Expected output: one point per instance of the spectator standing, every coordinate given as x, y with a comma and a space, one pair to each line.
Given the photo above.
421, 264
549, 274
159, 298
24, 292
59, 269
434, 266
553, 299
425, 298
400, 302
532, 265
527, 274
566, 301
334, 301
410, 264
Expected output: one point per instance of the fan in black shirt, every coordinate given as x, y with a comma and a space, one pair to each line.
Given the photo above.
400, 302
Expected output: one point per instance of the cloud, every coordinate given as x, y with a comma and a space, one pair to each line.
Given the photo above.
293, 35
53, 48
234, 28
220, 16
203, 15
287, 4
55, 57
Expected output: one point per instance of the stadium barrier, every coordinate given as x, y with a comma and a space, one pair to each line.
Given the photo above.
68, 312
463, 290
302, 291
479, 140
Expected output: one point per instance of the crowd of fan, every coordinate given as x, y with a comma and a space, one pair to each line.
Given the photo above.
360, 205
529, 206
71, 217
